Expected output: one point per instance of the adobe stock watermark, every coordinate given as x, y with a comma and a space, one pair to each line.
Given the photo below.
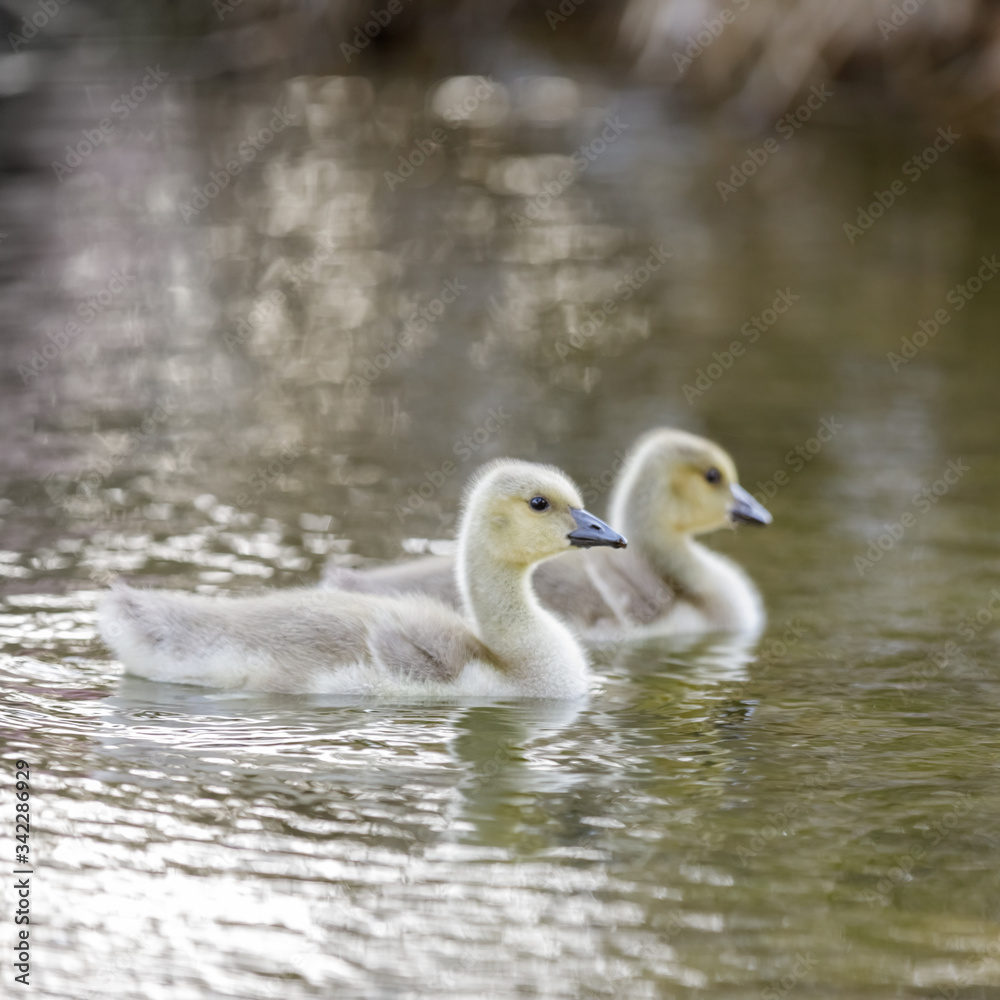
970, 626
32, 23
914, 168
923, 501
619, 983
121, 108
595, 487
706, 377
115, 976
798, 457
562, 13
903, 864
454, 116
465, 448
487, 770
416, 323
246, 152
372, 28
977, 966
900, 14
255, 485
778, 989
263, 310
86, 483
710, 30
938, 659
88, 310
581, 158
266, 475
773, 651
778, 824
625, 288
958, 298
271, 303
223, 515
643, 610
786, 127
223, 8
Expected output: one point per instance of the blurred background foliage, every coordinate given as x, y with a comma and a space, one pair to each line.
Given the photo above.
748, 59
283, 309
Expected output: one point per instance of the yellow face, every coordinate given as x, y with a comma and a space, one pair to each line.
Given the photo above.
700, 489
694, 484
532, 512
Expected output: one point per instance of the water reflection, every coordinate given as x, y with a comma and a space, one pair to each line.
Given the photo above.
617, 842
307, 350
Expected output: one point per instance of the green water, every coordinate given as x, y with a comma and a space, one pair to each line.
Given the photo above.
281, 379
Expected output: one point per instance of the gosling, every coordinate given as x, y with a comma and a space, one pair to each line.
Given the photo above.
516, 514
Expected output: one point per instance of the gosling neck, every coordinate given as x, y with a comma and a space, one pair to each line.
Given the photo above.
696, 574
532, 647
674, 555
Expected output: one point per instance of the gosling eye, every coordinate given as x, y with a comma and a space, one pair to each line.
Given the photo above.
538, 503
713, 475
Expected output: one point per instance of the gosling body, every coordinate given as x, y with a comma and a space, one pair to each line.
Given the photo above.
312, 641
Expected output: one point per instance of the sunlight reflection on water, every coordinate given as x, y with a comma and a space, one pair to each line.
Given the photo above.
303, 353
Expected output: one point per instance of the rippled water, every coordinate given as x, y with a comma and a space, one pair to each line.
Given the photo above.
812, 815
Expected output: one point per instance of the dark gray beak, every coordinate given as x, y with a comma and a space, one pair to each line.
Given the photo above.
591, 531
746, 509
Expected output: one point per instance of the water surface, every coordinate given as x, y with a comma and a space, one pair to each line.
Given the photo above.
814, 814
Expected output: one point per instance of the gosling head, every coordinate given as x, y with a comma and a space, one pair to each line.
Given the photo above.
524, 513
683, 484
